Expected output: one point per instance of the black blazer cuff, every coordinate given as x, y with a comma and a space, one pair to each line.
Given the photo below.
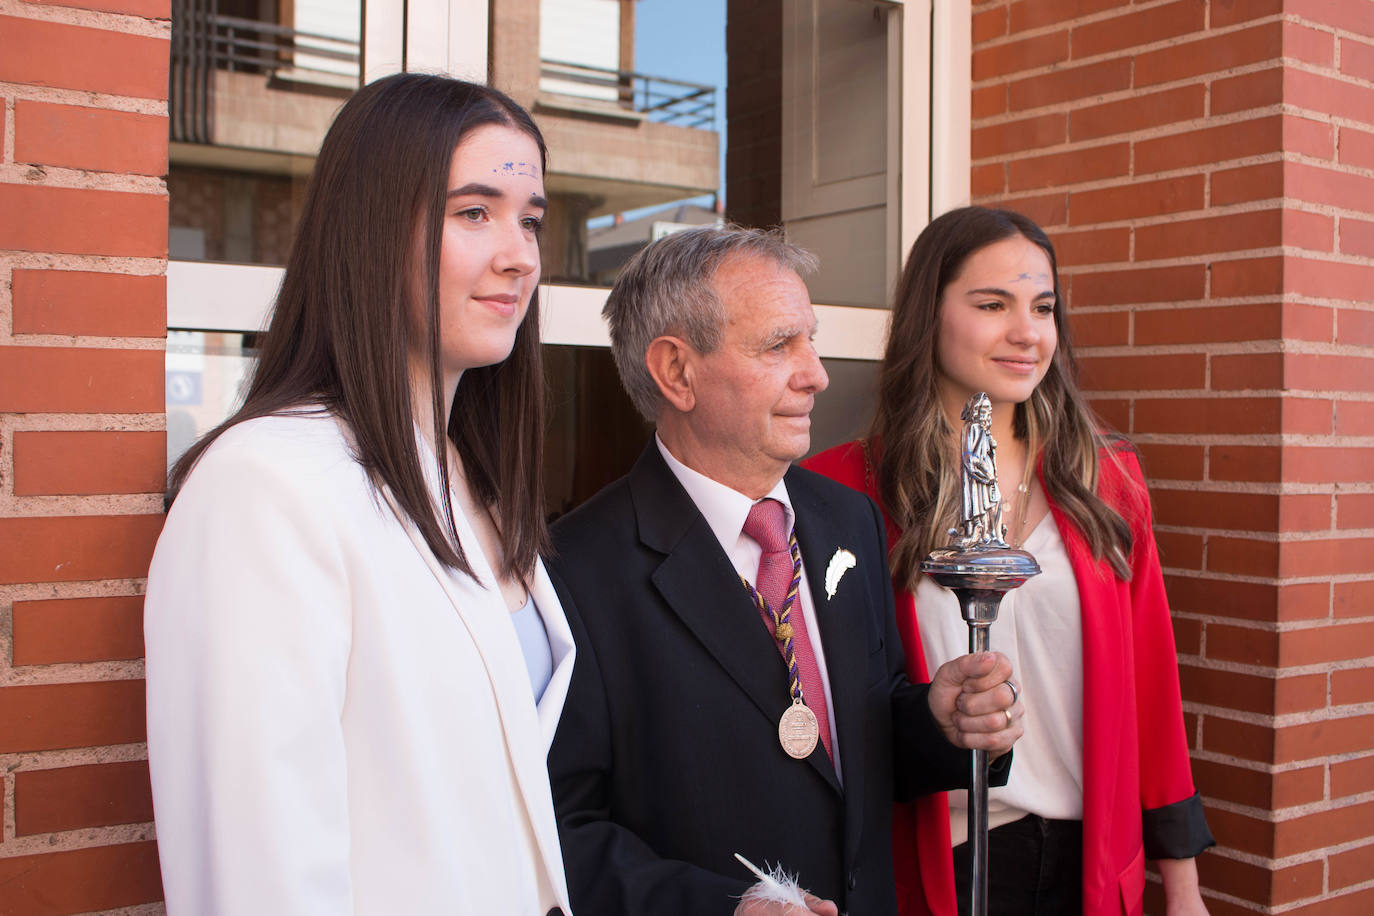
1177, 831
953, 761
999, 771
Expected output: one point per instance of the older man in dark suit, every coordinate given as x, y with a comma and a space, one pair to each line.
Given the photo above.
739, 686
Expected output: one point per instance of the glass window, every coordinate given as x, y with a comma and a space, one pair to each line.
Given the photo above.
254, 86
224, 214
206, 374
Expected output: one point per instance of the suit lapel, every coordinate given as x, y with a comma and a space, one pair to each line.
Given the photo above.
701, 587
822, 530
560, 647
484, 616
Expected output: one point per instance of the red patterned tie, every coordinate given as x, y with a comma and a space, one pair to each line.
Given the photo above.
767, 526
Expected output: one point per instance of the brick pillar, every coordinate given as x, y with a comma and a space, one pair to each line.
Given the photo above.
1207, 173
83, 258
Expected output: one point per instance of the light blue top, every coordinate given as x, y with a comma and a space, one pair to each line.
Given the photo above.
534, 644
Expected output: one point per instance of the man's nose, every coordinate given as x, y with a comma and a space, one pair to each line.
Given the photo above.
812, 375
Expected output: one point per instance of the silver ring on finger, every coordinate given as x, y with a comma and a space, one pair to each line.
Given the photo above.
1015, 694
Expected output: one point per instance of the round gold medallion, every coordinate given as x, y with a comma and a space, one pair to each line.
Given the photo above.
798, 730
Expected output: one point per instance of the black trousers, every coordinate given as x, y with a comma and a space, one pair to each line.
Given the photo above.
1035, 868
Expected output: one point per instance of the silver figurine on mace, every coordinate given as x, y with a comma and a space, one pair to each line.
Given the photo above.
979, 567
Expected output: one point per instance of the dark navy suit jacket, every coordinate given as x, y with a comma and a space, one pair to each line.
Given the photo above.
667, 760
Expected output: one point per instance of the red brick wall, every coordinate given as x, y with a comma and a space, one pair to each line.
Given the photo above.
1207, 172
83, 257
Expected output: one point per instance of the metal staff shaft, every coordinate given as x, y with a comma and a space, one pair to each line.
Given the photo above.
979, 612
978, 800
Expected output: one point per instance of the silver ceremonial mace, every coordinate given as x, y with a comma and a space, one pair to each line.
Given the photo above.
979, 567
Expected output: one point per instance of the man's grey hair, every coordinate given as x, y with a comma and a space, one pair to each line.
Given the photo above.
668, 289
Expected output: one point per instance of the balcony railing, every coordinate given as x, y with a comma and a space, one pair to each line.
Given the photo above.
203, 41
656, 98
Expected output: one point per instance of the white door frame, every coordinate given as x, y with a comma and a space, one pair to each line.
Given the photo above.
931, 47
209, 296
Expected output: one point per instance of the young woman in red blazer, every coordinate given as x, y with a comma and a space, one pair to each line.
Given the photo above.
1101, 780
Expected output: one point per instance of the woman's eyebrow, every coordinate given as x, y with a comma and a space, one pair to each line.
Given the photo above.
995, 291
477, 189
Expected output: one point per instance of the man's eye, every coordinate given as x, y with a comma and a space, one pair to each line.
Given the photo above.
533, 224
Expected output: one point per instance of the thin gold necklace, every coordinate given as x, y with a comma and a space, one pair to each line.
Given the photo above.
1022, 508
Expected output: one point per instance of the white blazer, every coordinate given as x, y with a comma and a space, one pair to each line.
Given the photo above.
337, 724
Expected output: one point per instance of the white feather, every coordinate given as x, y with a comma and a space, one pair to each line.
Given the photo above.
840, 563
774, 886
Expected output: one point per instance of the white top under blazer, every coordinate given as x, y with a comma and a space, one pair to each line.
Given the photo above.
1040, 628
337, 724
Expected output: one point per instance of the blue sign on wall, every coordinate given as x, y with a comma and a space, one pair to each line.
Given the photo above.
183, 387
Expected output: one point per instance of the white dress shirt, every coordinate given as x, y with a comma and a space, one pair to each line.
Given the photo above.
725, 511
1040, 628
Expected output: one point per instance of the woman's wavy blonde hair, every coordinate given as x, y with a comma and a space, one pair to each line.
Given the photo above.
917, 467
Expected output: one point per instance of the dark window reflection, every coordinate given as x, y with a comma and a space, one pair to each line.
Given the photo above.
844, 410
595, 435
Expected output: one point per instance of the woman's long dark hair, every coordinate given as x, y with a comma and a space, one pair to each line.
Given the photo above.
917, 466
340, 330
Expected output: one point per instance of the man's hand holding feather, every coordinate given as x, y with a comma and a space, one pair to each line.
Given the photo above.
760, 907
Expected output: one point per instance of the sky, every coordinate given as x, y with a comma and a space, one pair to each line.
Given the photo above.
682, 39
685, 40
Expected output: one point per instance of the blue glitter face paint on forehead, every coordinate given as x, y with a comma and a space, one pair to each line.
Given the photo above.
523, 169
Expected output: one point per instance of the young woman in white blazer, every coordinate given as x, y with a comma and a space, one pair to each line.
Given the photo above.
356, 660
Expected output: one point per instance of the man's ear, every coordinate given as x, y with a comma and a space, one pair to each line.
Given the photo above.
668, 360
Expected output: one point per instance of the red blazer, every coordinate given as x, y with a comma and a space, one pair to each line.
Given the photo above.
1138, 794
